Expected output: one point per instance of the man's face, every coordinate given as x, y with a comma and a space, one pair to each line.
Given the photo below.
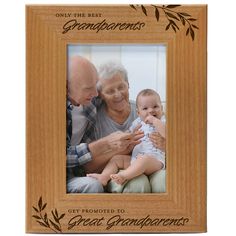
85, 91
82, 85
149, 105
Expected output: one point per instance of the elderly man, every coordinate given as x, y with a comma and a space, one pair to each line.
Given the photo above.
115, 114
81, 88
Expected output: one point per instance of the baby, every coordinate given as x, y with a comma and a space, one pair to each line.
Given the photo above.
146, 158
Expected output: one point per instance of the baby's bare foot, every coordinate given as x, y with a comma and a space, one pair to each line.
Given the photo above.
102, 179
118, 178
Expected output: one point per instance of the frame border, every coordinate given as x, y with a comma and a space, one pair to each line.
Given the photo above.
185, 196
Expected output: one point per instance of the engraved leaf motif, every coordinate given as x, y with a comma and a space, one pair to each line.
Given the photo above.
173, 6
184, 14
173, 28
194, 26
40, 202
157, 14
131, 5
61, 216
55, 217
44, 206
192, 33
42, 224
173, 23
56, 213
182, 19
172, 16
45, 217
168, 26
187, 32
55, 226
144, 10
192, 19
44, 220
36, 217
35, 209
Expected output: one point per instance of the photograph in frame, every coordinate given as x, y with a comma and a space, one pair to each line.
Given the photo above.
117, 110
162, 49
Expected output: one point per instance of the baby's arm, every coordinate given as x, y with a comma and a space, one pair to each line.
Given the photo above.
159, 125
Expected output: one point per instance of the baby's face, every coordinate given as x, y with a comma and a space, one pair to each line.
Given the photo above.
149, 105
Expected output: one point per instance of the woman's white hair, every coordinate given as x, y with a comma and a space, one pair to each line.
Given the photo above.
108, 70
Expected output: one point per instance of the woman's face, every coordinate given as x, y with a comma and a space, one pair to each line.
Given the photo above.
115, 93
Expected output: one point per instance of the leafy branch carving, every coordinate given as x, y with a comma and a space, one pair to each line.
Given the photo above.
173, 17
41, 218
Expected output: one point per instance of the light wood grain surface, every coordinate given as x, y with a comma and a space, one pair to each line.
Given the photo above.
186, 120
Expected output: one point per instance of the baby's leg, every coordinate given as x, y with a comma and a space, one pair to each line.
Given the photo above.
116, 163
142, 165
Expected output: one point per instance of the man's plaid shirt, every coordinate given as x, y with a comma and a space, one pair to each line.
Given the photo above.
79, 155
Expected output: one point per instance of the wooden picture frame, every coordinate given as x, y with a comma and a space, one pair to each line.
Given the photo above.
182, 208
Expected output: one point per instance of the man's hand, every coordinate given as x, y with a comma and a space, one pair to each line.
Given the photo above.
105, 148
137, 135
120, 141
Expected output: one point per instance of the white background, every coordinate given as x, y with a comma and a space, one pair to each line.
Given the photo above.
144, 63
221, 115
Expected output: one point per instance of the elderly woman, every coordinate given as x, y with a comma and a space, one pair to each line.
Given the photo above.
116, 113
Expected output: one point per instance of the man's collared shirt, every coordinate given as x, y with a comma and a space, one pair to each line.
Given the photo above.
79, 155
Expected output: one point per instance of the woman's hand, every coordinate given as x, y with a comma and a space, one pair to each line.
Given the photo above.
137, 135
158, 141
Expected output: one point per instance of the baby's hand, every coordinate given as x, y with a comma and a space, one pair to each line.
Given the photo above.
150, 119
